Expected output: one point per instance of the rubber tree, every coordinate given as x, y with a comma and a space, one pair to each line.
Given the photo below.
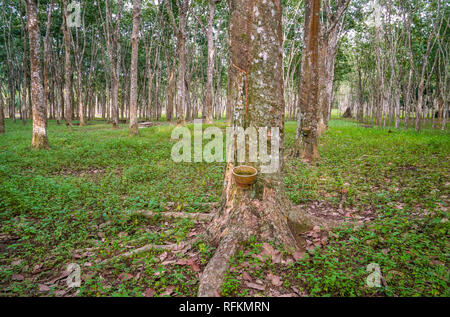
257, 93
330, 33
67, 69
2, 115
180, 31
40, 139
306, 145
209, 74
134, 68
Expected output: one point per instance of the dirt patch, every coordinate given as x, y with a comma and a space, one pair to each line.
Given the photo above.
80, 173
5, 241
325, 210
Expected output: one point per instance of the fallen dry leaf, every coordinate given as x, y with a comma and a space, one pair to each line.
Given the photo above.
60, 293
17, 277
60, 277
274, 279
246, 276
255, 286
289, 295
43, 288
17, 262
149, 292
125, 276
37, 268
272, 252
163, 256
169, 290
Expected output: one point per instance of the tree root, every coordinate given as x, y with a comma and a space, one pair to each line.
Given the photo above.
169, 215
148, 247
214, 272
305, 222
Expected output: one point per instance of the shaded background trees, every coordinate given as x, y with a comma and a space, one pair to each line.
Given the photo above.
385, 60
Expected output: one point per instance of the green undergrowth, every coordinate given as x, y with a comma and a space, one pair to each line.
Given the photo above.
58, 204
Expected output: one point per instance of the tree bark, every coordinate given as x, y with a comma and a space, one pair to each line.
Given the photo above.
134, 66
328, 44
40, 139
257, 91
67, 71
210, 69
180, 31
114, 52
2, 115
170, 96
307, 144
47, 56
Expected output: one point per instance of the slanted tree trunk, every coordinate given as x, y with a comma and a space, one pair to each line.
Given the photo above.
257, 93
134, 65
40, 139
307, 143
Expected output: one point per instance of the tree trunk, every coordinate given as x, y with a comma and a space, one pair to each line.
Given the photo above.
169, 110
419, 104
47, 59
114, 52
2, 115
181, 88
257, 92
180, 31
329, 39
81, 105
229, 106
307, 143
40, 139
134, 66
210, 70
67, 71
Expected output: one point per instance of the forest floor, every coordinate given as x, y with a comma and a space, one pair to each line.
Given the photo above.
74, 202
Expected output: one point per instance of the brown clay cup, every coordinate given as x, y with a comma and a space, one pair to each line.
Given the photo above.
244, 176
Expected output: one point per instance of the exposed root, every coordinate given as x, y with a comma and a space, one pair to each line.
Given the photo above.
305, 222
172, 215
148, 247
213, 274
171, 204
